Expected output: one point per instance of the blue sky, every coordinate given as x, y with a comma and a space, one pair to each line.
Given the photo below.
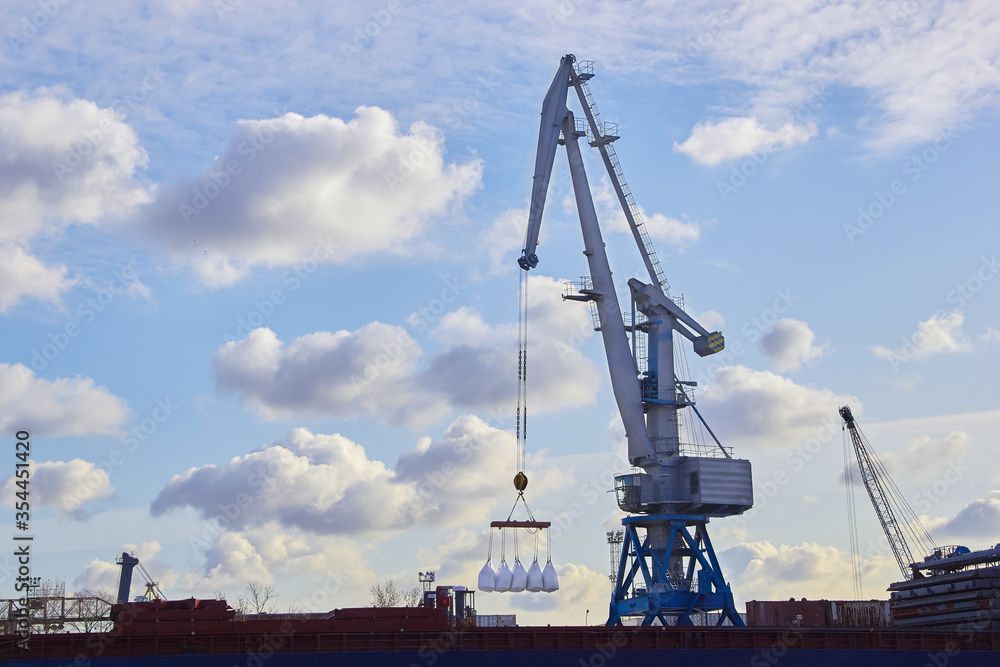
262, 258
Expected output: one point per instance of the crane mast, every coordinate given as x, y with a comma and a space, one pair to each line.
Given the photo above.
672, 493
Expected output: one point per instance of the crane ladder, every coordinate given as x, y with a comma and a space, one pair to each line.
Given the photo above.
604, 135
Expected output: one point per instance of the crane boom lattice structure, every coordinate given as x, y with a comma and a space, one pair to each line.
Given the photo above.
894, 514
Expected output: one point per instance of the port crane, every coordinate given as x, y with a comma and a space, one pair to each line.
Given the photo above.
668, 569
894, 514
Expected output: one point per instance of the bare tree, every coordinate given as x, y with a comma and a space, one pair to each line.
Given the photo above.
413, 596
385, 594
388, 593
259, 599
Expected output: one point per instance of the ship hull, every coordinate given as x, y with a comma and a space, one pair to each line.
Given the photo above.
288, 645
568, 658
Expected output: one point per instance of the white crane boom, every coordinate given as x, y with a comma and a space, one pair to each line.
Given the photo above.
624, 381
558, 120
553, 112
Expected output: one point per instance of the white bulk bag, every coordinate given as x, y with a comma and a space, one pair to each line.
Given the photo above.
504, 575
534, 578
487, 578
519, 578
550, 580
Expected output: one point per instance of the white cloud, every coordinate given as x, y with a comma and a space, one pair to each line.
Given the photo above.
939, 334
927, 457
660, 227
64, 406
979, 519
711, 320
65, 486
476, 372
368, 371
713, 143
902, 56
769, 410
334, 565
503, 241
101, 575
762, 571
789, 344
231, 559
290, 188
23, 275
580, 588
436, 483
991, 335
376, 370
63, 160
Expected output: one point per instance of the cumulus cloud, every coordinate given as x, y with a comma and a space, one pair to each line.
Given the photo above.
927, 456
436, 483
229, 559
762, 571
332, 563
380, 369
769, 410
503, 241
979, 519
660, 227
344, 373
352, 188
713, 143
939, 334
789, 344
64, 406
475, 372
64, 486
103, 575
24, 275
579, 588
63, 160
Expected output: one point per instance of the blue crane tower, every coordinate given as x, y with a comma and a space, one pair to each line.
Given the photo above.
668, 569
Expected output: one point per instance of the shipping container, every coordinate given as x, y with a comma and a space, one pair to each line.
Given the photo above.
819, 613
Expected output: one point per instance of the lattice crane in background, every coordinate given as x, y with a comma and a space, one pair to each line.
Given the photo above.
668, 568
894, 513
